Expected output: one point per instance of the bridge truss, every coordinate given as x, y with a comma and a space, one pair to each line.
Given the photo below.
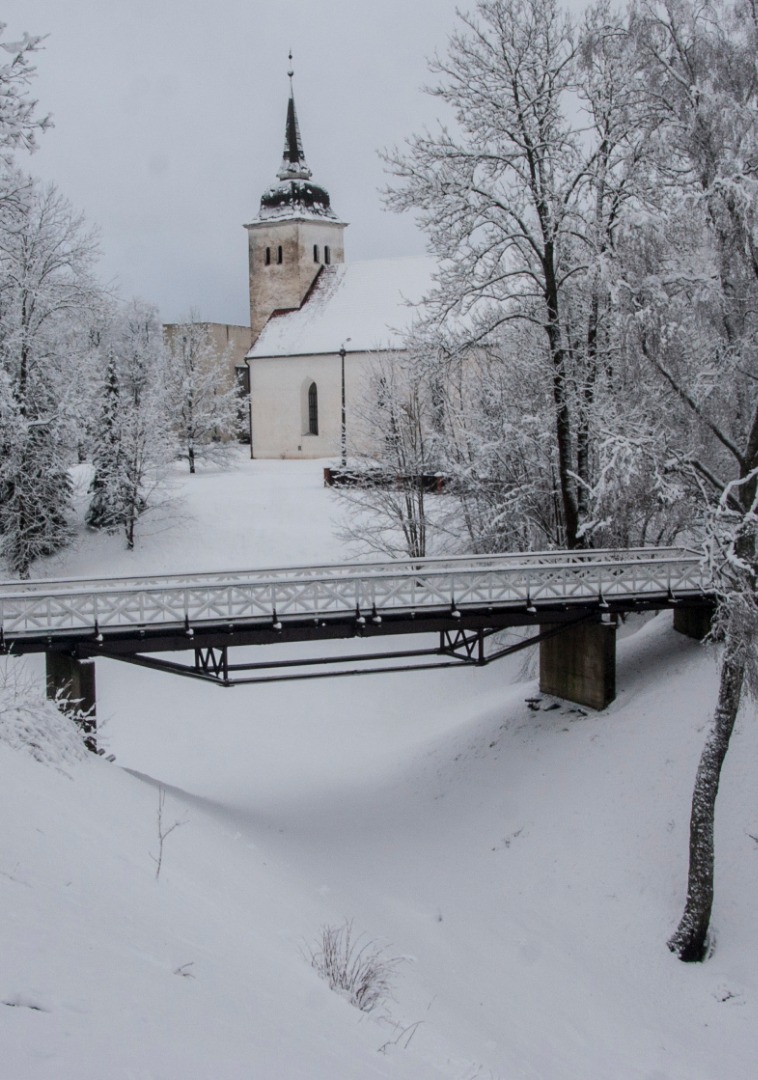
462, 602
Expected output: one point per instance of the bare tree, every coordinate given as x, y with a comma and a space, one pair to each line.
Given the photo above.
393, 463
206, 400
135, 443
521, 200
494, 445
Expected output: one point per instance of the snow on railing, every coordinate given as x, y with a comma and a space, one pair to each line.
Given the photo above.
496, 581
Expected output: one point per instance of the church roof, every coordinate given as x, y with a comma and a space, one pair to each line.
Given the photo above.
295, 199
369, 302
294, 165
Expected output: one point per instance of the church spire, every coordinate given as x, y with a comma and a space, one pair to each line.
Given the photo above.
295, 234
295, 196
294, 165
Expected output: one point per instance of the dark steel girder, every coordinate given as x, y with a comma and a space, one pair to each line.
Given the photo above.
459, 648
461, 635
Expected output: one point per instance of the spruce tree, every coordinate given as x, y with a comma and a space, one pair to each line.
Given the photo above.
106, 508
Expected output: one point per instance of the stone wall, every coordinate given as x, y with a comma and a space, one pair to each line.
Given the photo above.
222, 335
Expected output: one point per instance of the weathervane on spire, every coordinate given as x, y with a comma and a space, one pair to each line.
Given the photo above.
291, 71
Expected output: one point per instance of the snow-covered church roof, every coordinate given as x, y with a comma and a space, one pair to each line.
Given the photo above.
372, 303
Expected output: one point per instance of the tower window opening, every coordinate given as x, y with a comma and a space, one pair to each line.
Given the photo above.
268, 256
327, 254
312, 409
315, 252
280, 255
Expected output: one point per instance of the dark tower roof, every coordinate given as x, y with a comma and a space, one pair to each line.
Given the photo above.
294, 166
295, 195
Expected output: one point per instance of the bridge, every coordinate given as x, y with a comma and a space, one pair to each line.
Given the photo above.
572, 599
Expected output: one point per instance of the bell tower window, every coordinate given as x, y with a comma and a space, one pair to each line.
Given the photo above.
315, 253
280, 255
268, 256
327, 254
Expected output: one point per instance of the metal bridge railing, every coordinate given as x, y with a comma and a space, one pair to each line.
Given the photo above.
493, 581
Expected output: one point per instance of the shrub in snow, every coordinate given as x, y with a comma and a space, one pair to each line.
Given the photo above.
356, 967
163, 832
31, 723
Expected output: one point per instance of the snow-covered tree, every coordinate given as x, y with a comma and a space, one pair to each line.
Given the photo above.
46, 285
35, 488
520, 198
46, 257
601, 183
393, 462
105, 510
496, 448
692, 291
133, 440
206, 400
19, 125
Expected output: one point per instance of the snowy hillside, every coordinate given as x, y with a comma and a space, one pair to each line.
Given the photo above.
526, 866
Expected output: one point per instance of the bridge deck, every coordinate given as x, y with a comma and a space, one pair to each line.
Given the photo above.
176, 611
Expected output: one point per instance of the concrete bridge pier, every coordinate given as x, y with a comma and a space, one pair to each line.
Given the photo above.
72, 681
579, 663
694, 622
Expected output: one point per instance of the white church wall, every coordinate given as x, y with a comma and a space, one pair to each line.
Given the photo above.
279, 404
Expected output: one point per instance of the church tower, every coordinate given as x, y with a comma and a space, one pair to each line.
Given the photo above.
295, 233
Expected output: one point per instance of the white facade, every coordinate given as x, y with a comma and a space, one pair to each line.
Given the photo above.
282, 406
364, 308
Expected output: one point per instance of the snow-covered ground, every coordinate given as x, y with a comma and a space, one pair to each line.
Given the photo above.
526, 865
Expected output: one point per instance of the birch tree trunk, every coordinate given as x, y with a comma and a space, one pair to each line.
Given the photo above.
690, 939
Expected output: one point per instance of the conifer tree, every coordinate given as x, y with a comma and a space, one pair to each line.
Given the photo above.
105, 509
46, 257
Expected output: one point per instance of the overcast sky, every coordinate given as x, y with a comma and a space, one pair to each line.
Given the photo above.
169, 125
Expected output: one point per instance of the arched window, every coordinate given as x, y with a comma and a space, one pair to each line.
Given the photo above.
280, 255
312, 409
315, 252
268, 256
327, 254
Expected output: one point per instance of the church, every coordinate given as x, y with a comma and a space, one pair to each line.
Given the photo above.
318, 322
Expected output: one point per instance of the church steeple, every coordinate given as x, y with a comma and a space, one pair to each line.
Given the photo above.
295, 196
295, 234
294, 165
